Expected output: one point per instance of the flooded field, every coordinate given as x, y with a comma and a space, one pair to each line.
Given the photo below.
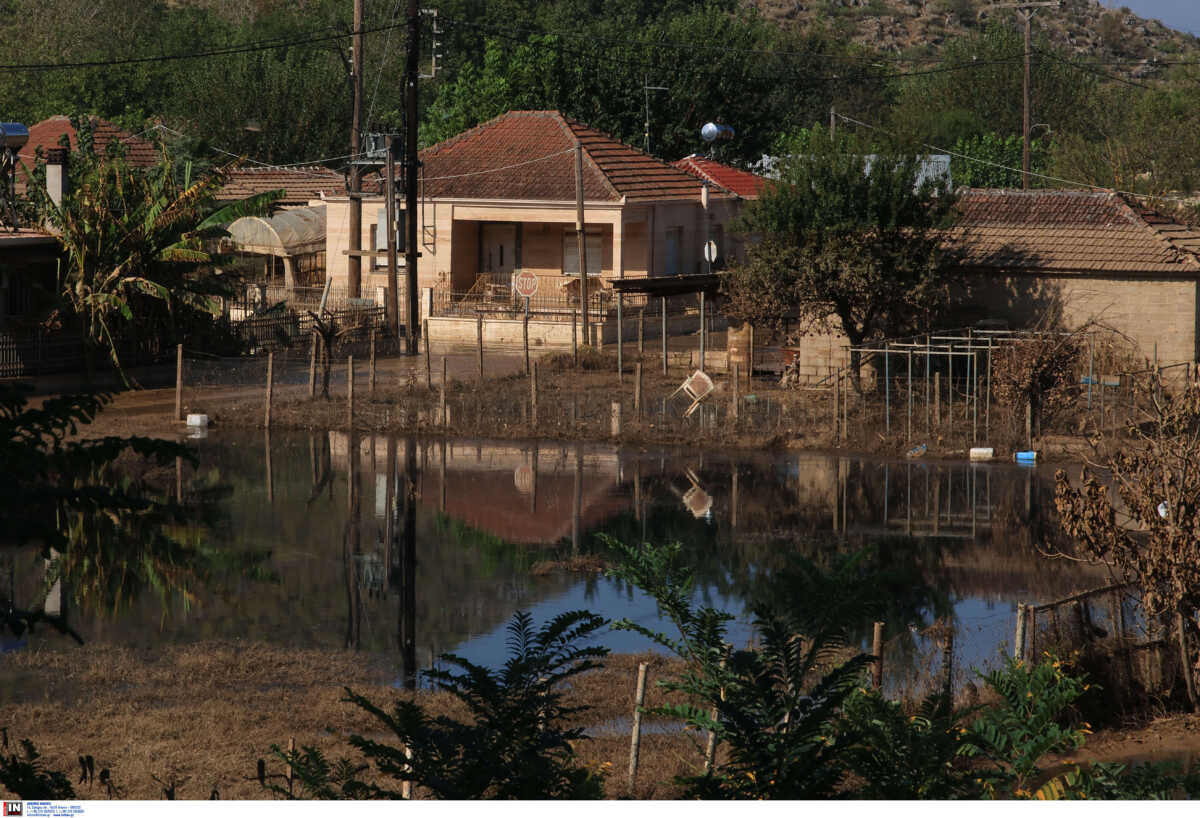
408, 548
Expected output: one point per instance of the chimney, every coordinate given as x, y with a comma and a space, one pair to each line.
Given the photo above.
56, 174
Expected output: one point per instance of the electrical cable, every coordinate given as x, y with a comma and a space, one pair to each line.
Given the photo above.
976, 159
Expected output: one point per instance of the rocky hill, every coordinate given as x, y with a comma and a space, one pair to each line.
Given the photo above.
918, 28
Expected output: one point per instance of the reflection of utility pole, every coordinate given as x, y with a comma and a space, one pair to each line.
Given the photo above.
646, 89
577, 505
408, 593
1027, 10
352, 551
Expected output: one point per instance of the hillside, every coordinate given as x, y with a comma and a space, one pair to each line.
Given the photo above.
917, 28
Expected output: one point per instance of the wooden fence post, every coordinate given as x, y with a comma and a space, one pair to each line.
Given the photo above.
270, 387
371, 368
636, 738
641, 332
525, 340
710, 752
734, 400
616, 418
533, 396
637, 390
179, 382
290, 773
350, 391
937, 399
574, 340
1019, 639
837, 385
948, 663
1029, 424
479, 341
312, 366
428, 367
877, 652
663, 302
442, 419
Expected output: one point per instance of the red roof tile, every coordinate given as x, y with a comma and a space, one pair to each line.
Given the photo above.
1069, 231
528, 155
300, 185
738, 182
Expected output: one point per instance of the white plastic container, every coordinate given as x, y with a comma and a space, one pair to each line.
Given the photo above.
982, 453
197, 420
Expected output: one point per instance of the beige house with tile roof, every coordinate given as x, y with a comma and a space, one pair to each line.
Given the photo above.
500, 197
1072, 255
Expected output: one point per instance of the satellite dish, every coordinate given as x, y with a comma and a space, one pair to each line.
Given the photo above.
711, 132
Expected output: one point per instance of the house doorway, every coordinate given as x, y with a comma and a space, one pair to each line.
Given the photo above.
498, 248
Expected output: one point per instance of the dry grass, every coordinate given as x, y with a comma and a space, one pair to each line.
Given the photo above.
203, 714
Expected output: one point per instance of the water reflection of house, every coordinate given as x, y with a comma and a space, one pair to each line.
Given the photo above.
520, 494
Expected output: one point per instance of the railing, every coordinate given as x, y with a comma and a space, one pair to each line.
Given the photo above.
542, 307
286, 328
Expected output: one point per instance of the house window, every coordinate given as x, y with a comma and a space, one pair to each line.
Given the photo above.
594, 247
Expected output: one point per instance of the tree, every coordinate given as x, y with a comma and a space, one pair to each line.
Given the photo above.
847, 241
133, 237
1154, 539
994, 151
978, 89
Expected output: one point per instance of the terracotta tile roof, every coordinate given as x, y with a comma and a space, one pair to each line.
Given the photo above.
1070, 231
47, 133
527, 155
300, 185
739, 182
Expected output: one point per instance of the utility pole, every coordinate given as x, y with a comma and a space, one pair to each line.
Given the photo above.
389, 192
354, 260
1027, 10
411, 163
579, 234
646, 89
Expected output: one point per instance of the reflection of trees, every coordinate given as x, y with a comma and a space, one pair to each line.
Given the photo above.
112, 558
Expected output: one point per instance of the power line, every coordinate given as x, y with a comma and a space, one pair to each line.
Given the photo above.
244, 48
645, 65
990, 163
1097, 72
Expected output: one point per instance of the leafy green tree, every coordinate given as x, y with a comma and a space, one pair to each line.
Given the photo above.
848, 242
994, 151
977, 89
24, 776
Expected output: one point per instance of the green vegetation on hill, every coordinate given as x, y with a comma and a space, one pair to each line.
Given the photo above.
1109, 97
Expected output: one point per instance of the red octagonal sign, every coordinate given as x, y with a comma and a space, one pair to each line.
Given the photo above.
526, 284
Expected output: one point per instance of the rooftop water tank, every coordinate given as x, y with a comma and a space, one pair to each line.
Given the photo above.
13, 135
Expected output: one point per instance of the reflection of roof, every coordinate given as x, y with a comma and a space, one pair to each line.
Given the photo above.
300, 185
47, 133
288, 233
738, 182
491, 502
1071, 231
535, 150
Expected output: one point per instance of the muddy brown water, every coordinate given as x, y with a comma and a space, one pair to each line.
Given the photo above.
407, 548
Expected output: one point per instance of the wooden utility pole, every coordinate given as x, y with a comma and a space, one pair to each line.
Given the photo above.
579, 233
354, 260
393, 284
411, 164
1027, 10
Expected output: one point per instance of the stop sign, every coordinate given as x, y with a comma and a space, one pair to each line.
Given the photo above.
525, 283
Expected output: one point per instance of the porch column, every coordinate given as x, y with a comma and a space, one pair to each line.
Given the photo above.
618, 248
